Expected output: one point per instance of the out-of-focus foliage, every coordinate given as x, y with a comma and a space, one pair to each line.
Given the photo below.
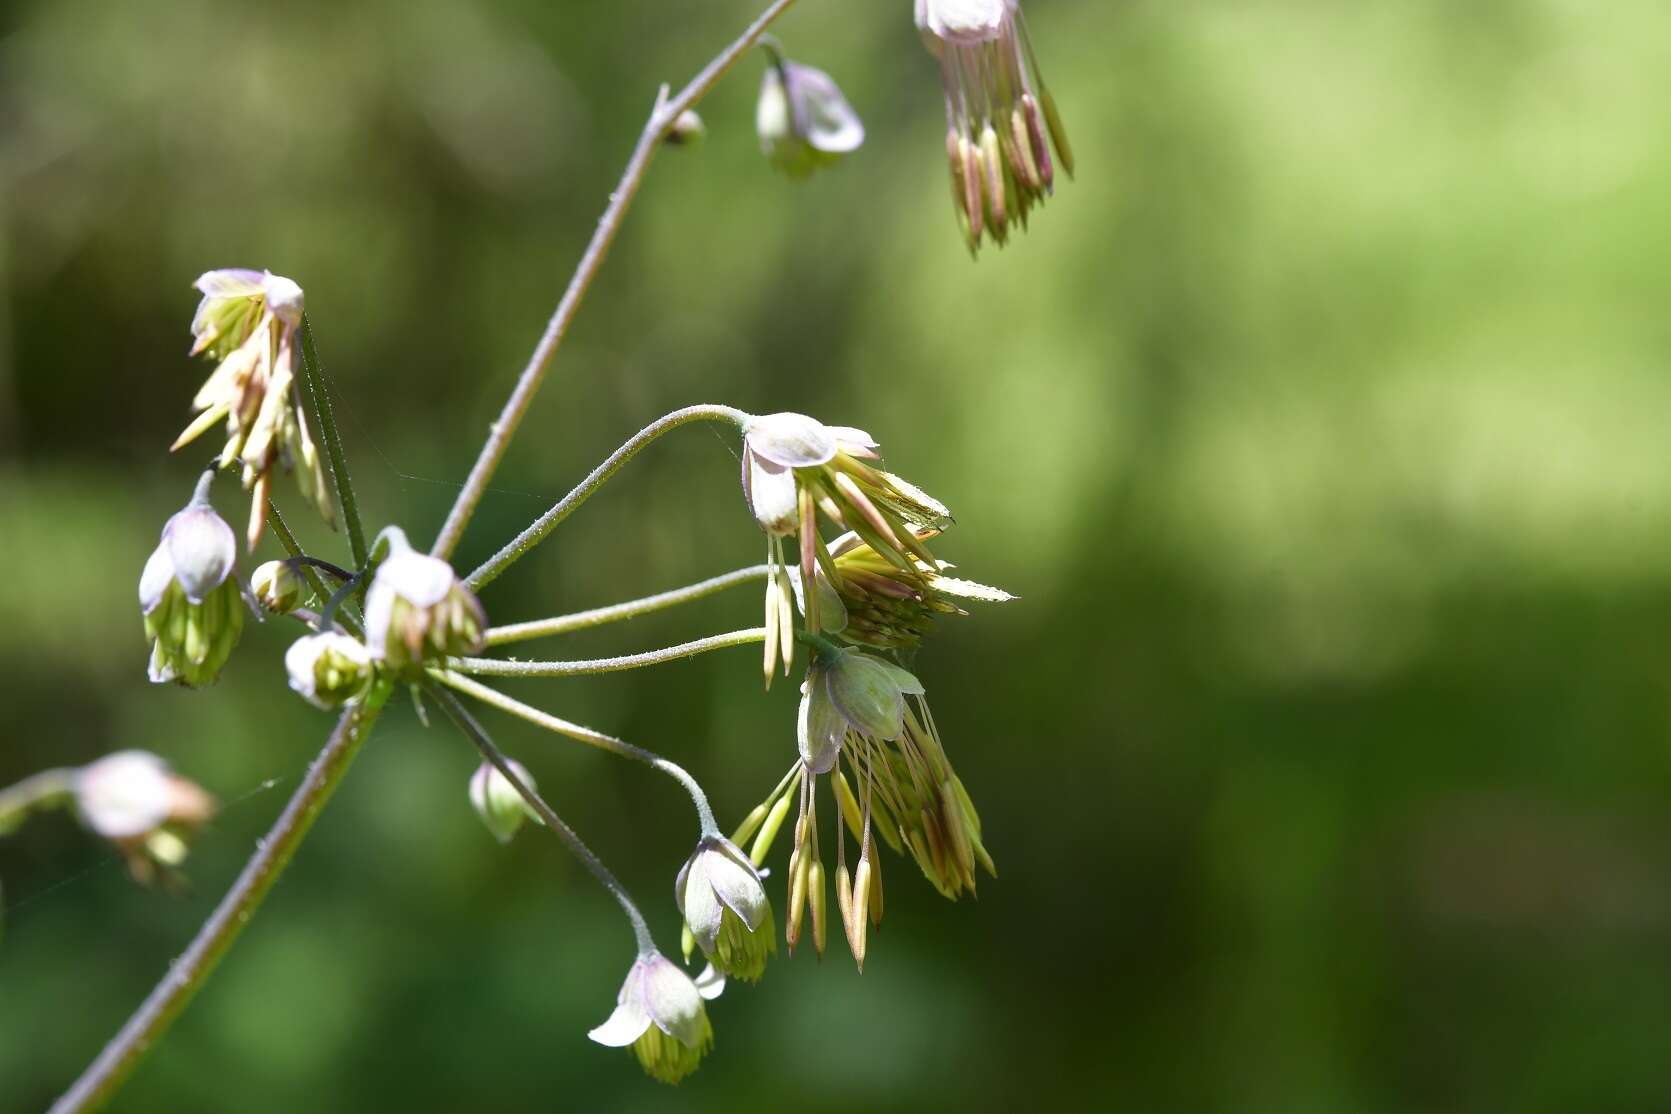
1324, 759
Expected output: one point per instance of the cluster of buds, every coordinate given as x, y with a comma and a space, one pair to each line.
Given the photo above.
249, 321
660, 1013
144, 809
882, 605
417, 611
803, 120
1001, 121
190, 597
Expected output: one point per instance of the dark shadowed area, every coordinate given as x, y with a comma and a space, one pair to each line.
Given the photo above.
1318, 424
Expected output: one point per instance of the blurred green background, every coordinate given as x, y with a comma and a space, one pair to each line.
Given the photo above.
1318, 424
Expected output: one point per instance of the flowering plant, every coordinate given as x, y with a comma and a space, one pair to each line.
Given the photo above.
851, 606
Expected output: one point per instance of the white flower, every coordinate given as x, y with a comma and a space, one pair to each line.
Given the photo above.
417, 610
660, 1014
328, 669
724, 902
803, 119
191, 603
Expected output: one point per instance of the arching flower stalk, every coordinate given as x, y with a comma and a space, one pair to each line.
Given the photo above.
249, 322
1001, 121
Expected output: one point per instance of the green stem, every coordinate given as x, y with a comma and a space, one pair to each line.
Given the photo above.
568, 504
272, 854
342, 487
499, 667
663, 116
47, 789
533, 715
286, 538
477, 735
631, 609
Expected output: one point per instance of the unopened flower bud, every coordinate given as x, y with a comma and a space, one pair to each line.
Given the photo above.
688, 130
328, 669
193, 612
278, 586
497, 802
418, 611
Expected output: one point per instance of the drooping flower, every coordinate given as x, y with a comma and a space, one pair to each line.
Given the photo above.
418, 611
1001, 121
660, 1014
724, 903
190, 598
501, 808
249, 322
850, 691
882, 605
146, 810
328, 669
802, 117
795, 468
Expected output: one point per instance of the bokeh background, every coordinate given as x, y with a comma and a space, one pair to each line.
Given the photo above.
1319, 424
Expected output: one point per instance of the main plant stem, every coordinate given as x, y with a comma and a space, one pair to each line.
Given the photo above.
148, 1024
662, 117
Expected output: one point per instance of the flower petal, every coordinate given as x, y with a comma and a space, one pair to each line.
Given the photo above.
735, 882
201, 547
829, 122
154, 581
672, 1000
701, 907
624, 1026
791, 440
770, 491
820, 727
710, 983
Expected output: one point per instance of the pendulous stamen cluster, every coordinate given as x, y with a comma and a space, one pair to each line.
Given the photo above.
1001, 122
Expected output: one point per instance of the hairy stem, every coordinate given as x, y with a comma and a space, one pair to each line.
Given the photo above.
320, 409
476, 734
499, 667
631, 609
547, 522
272, 854
662, 117
47, 789
533, 715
